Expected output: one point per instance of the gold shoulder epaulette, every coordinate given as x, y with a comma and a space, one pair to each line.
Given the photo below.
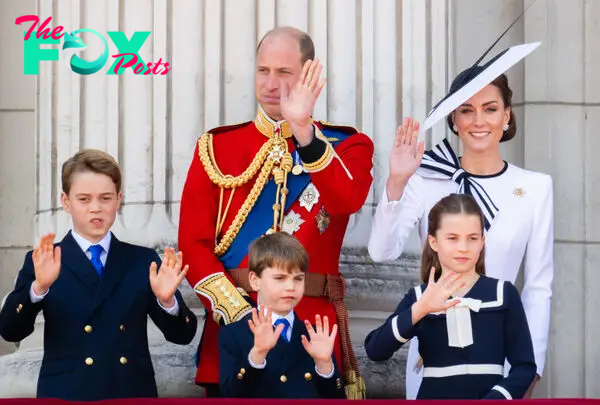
346, 129
226, 128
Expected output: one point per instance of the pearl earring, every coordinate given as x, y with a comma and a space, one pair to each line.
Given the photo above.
454, 128
505, 127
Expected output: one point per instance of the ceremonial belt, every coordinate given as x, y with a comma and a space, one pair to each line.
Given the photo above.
333, 287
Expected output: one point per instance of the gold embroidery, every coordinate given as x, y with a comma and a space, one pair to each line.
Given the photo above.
324, 160
270, 128
227, 302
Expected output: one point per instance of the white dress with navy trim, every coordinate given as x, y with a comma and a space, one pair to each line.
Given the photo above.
498, 331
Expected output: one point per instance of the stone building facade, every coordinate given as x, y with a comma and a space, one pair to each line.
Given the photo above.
385, 59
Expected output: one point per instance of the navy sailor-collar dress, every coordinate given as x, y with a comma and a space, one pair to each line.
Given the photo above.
464, 349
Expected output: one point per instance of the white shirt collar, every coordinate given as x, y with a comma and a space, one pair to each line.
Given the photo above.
85, 244
289, 317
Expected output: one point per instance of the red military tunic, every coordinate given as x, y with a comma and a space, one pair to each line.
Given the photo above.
342, 177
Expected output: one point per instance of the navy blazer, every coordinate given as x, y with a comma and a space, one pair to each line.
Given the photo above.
95, 330
289, 372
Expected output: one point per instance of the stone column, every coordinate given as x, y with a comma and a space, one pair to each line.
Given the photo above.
151, 123
562, 107
409, 88
476, 25
557, 106
396, 59
17, 151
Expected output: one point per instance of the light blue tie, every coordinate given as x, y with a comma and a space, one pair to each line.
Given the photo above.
286, 326
96, 251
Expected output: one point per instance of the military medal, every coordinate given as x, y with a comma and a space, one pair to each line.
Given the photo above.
309, 197
292, 222
277, 153
322, 219
297, 169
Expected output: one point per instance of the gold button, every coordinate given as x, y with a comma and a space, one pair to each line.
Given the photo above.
87, 329
89, 361
123, 360
240, 376
283, 378
338, 383
20, 306
18, 310
242, 371
122, 328
307, 376
187, 319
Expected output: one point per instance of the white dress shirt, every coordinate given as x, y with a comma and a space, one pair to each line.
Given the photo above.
85, 244
522, 230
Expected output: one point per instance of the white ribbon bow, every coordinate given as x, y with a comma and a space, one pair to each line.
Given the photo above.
458, 322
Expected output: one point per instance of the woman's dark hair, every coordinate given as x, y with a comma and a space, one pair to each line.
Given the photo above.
501, 82
451, 204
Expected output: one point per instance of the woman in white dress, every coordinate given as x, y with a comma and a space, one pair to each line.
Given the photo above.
517, 203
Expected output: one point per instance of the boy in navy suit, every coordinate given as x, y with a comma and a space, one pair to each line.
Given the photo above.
96, 293
268, 354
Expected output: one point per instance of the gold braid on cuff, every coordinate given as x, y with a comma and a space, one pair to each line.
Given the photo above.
322, 162
228, 304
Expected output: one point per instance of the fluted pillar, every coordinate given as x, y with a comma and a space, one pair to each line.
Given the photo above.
150, 125
17, 172
562, 106
384, 60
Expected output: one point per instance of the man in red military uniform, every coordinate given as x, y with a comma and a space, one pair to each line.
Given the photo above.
281, 172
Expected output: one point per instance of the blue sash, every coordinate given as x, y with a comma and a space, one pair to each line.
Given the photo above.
260, 218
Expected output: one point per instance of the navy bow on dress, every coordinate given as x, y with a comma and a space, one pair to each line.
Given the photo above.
442, 160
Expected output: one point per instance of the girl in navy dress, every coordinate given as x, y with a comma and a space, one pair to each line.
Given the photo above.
467, 324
